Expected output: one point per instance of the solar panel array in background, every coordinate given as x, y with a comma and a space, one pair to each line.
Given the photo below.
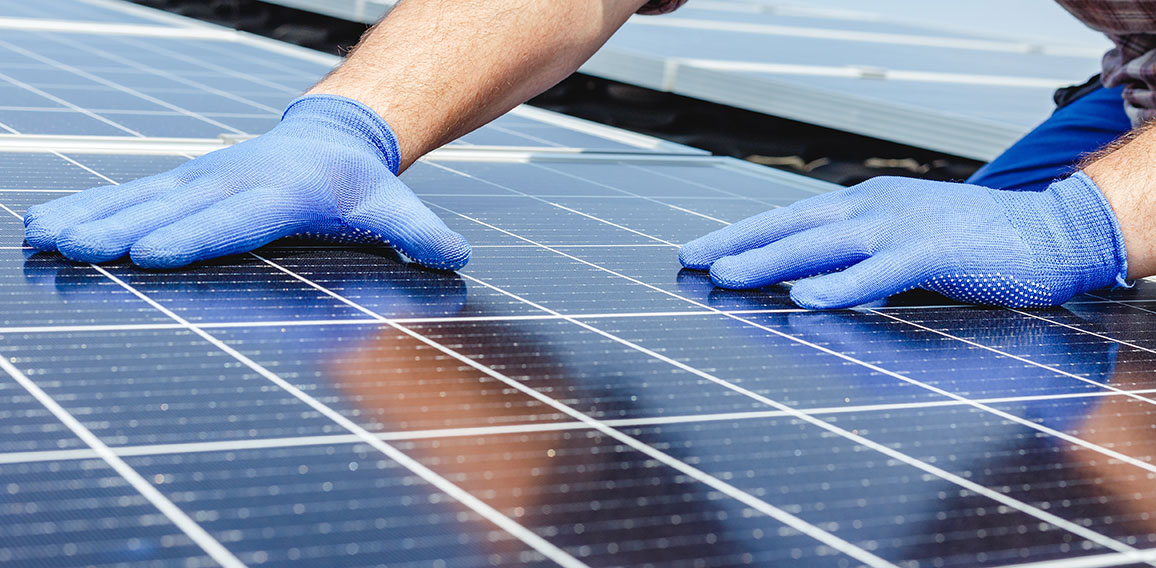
967, 80
570, 398
919, 83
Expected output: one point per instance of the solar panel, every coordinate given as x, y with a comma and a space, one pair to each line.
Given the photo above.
91, 11
922, 85
205, 85
570, 398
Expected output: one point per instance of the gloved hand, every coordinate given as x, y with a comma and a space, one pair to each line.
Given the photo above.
328, 170
888, 235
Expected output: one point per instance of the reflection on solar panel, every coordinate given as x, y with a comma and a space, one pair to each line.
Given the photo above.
570, 398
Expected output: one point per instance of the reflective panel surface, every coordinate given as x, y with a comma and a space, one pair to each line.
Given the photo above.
571, 398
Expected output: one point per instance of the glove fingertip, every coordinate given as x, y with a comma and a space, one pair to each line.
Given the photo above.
728, 272
448, 251
33, 213
40, 237
815, 295
692, 255
83, 245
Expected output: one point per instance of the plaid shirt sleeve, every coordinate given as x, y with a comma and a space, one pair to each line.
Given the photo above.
1131, 25
661, 6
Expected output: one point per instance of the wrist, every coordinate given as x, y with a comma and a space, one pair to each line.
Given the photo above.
351, 117
1121, 178
1094, 230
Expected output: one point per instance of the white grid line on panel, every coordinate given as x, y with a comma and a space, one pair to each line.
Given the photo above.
1130, 304
593, 217
866, 442
741, 495
531, 539
82, 328
938, 472
114, 29
755, 503
174, 77
139, 112
1028, 423
116, 86
212, 67
651, 199
1087, 331
84, 167
1024, 360
740, 319
175, 515
559, 206
467, 499
58, 100
535, 427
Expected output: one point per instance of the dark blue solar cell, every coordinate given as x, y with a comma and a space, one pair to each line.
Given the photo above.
383, 379
38, 170
158, 386
377, 280
13, 97
59, 123
28, 426
82, 513
103, 98
566, 285
181, 126
43, 289
123, 168
898, 510
602, 378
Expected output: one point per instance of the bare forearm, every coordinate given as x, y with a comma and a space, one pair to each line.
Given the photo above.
437, 69
1126, 174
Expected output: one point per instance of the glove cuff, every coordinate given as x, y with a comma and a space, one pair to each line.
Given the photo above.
351, 116
1094, 225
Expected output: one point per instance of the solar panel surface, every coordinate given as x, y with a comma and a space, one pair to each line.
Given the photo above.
97, 84
964, 93
570, 398
91, 11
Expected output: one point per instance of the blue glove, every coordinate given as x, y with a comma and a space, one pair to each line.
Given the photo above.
889, 235
328, 170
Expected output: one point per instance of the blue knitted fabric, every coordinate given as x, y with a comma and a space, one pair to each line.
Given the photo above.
889, 234
328, 170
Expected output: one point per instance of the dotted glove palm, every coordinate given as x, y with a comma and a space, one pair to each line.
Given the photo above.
328, 170
889, 235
